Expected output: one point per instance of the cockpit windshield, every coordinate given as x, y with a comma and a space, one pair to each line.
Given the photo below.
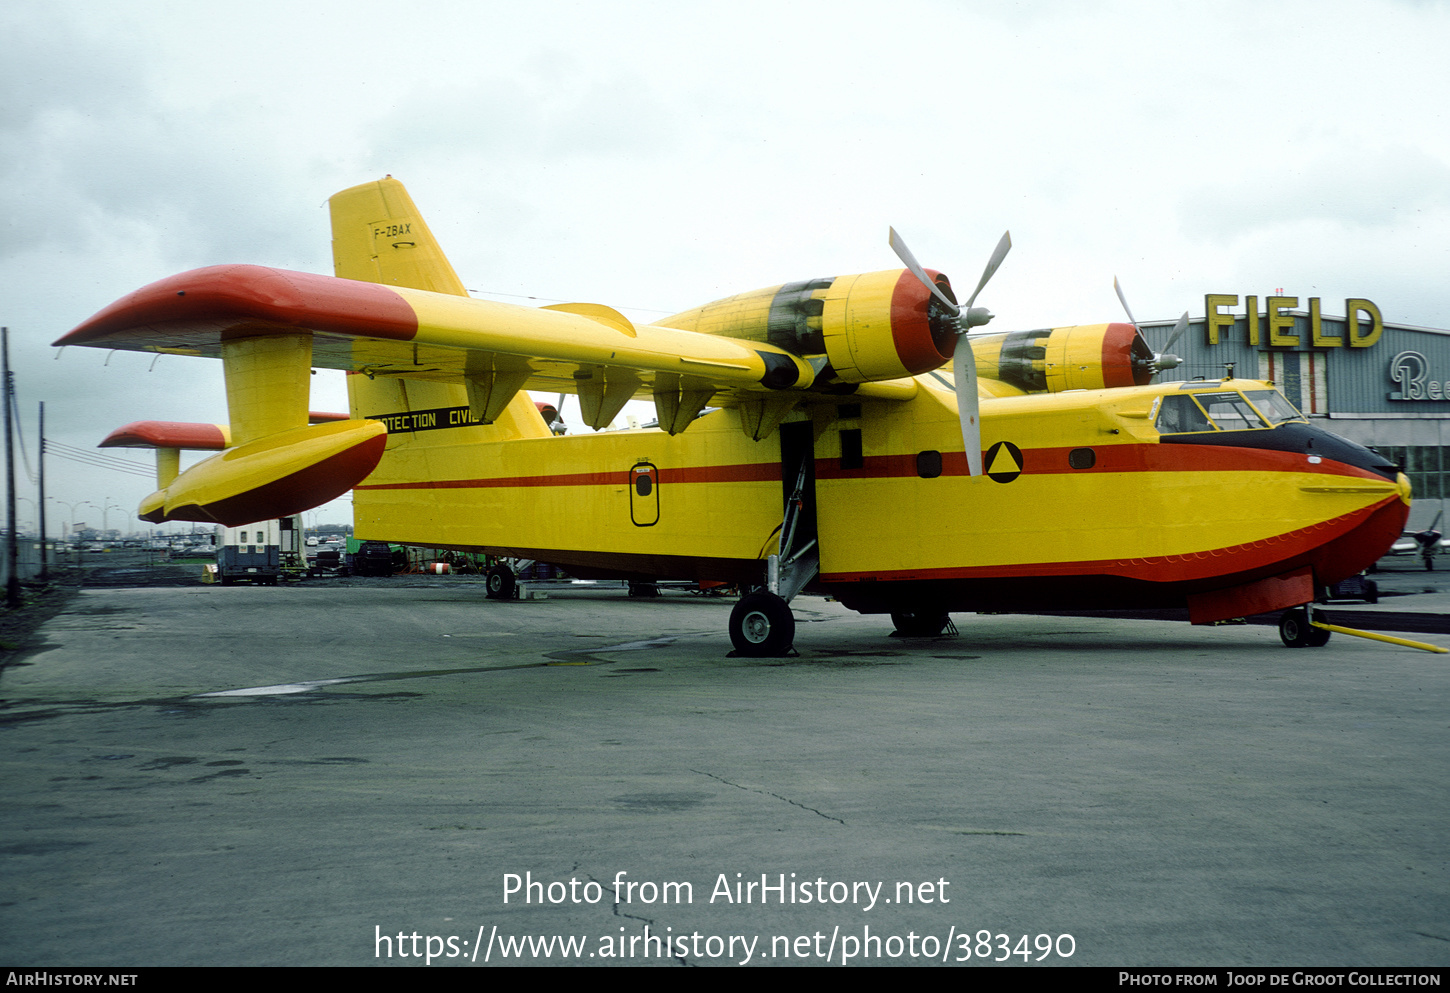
1273, 406
1229, 410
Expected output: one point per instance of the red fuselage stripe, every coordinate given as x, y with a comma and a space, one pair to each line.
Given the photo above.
1036, 461
750, 472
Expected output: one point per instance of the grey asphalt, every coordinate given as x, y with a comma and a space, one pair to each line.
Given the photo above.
1166, 795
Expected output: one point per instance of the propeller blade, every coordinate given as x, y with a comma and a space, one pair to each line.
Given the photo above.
998, 254
1178, 330
1126, 309
904, 254
964, 378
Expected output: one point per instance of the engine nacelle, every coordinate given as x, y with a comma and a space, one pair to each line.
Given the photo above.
1084, 357
869, 327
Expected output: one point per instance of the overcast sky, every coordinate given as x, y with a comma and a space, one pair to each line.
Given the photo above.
657, 156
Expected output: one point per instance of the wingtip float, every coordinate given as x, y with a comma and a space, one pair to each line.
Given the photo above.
276, 476
824, 465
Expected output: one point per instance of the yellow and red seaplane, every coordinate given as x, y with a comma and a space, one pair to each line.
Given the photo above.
806, 440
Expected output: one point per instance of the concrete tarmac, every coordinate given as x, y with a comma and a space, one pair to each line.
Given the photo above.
316, 775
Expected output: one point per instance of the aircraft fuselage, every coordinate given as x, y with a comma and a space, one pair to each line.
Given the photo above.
1084, 503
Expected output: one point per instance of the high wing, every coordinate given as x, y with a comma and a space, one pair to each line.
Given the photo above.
496, 348
396, 308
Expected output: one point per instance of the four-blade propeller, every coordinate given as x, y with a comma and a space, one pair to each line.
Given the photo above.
964, 317
1160, 360
964, 364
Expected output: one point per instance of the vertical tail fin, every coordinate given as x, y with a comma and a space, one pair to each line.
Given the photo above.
378, 236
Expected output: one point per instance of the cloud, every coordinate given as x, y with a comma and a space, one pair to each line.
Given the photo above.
1358, 190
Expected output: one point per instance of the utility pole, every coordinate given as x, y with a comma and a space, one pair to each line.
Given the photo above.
44, 553
12, 546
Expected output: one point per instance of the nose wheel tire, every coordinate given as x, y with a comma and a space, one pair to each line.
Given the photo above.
1295, 631
762, 626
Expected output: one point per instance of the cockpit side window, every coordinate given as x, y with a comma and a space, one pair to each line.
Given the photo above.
1230, 411
1178, 414
1273, 406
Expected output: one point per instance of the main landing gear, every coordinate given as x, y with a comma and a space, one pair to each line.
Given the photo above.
1296, 631
762, 626
920, 623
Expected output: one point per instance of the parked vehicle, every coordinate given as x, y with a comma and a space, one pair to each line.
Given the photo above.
249, 554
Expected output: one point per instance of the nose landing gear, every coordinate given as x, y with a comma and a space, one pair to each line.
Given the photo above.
1296, 631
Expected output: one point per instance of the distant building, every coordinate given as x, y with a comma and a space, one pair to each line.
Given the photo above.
1383, 385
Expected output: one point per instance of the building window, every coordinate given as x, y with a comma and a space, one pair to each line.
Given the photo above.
1426, 466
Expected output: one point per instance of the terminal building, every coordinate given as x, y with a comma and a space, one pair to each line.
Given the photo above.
1383, 385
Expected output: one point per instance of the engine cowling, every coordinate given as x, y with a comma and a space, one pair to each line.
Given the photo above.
869, 327
1050, 360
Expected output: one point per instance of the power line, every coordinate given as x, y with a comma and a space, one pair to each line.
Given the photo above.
19, 433
97, 459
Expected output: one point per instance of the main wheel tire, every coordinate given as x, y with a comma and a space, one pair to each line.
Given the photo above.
500, 583
762, 626
1295, 631
920, 624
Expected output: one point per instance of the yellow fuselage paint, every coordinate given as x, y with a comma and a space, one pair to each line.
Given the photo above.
716, 496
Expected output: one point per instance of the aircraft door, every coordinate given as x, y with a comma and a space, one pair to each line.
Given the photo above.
644, 494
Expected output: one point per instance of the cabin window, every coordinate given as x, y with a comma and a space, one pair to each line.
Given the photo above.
851, 456
1082, 458
644, 494
928, 464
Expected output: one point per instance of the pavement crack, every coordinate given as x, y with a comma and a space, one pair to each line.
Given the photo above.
649, 922
786, 799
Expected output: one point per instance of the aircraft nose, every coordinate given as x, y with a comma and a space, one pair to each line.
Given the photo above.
1402, 483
